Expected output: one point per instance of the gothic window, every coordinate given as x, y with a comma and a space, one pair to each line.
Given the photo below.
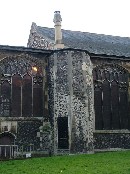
110, 97
21, 88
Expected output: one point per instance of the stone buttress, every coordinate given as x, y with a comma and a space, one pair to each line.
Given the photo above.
71, 97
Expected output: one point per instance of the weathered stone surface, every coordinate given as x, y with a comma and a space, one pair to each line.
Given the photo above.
68, 93
37, 40
112, 140
27, 134
72, 97
24, 129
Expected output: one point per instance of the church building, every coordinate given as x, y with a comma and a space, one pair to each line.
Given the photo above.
67, 92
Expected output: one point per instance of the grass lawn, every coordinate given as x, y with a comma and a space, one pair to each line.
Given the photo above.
100, 163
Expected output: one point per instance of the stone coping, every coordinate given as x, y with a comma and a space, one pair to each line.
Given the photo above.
21, 118
111, 131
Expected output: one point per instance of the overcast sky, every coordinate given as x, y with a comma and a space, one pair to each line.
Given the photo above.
110, 17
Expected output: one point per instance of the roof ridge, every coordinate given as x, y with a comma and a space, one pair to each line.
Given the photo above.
93, 42
100, 34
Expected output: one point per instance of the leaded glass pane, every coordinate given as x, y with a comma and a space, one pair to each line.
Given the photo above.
16, 95
37, 100
106, 105
5, 99
115, 105
27, 96
113, 83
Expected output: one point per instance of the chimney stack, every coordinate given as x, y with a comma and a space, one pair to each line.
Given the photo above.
58, 33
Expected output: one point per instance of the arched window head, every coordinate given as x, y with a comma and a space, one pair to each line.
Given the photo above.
111, 97
22, 90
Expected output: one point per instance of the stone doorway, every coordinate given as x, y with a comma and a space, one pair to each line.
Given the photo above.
63, 142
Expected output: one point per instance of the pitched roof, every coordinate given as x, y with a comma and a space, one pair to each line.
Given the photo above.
24, 49
94, 43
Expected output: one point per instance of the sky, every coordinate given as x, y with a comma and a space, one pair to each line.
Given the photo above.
111, 17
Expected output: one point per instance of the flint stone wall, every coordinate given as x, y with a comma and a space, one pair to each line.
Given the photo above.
71, 95
112, 140
25, 129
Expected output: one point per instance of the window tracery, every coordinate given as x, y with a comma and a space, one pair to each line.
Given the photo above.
111, 97
21, 91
